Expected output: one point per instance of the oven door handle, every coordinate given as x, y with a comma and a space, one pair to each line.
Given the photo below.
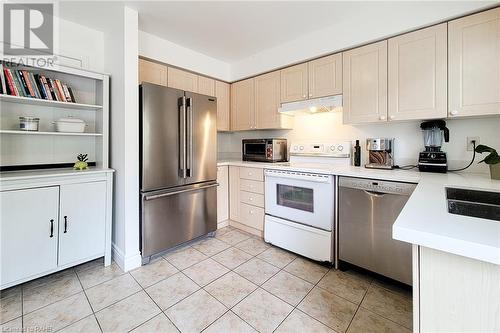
316, 179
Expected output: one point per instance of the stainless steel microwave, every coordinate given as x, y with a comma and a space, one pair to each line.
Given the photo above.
264, 150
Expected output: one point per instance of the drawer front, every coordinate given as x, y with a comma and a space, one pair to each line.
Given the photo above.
252, 174
252, 186
252, 216
252, 198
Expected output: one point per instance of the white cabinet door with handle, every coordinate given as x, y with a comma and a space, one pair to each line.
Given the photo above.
82, 221
28, 229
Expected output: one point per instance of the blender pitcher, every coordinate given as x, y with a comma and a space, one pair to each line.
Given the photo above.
434, 131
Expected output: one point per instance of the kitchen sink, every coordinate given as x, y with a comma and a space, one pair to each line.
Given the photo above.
473, 203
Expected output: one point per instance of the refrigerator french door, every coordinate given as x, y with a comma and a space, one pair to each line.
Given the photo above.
178, 167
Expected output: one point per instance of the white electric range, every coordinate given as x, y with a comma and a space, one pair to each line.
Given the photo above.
300, 206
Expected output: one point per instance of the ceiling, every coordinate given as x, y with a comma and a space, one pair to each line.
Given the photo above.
231, 31
235, 31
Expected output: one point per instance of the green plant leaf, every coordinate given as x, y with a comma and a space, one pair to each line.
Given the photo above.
484, 149
492, 158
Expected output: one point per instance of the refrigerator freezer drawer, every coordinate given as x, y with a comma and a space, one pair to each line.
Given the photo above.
307, 241
173, 217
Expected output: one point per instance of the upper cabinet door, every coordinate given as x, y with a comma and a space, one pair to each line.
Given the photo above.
325, 76
179, 79
417, 74
365, 84
222, 92
206, 86
294, 83
267, 102
242, 105
474, 64
152, 72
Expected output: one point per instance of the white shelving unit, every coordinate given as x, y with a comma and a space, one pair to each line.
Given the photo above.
47, 133
46, 146
48, 103
70, 211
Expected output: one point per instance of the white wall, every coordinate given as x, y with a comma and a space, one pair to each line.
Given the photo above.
121, 61
80, 46
153, 47
407, 134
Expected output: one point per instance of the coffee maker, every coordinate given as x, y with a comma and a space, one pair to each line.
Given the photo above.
432, 159
380, 153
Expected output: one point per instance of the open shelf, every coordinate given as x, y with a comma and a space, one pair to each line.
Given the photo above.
47, 133
49, 103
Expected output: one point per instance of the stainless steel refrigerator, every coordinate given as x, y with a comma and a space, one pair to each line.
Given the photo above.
178, 152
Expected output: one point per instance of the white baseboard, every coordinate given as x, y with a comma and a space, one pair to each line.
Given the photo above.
222, 224
125, 263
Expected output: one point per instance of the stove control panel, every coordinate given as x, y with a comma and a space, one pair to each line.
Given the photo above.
328, 149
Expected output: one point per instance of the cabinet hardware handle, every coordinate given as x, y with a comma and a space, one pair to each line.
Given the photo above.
310, 95
51, 228
453, 112
392, 117
303, 96
382, 117
65, 224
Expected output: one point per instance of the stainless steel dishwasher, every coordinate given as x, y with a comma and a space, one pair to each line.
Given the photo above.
367, 211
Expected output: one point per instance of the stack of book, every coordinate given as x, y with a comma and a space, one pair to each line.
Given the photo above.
19, 82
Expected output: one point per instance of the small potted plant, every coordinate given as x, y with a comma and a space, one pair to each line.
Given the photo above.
81, 164
493, 160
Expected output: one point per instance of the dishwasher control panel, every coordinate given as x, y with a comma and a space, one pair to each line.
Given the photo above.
375, 185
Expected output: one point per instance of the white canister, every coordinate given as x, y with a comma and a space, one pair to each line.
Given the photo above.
71, 125
28, 123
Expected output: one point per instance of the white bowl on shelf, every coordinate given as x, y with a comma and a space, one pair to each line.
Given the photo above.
70, 125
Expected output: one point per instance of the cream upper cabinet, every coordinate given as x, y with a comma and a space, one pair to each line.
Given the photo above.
242, 105
222, 92
325, 76
418, 74
206, 86
179, 79
474, 64
365, 84
267, 102
294, 81
152, 72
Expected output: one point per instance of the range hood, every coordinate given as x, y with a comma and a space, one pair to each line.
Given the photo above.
312, 106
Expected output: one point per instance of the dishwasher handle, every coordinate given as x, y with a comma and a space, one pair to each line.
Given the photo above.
374, 193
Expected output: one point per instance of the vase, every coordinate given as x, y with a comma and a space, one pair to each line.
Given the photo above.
495, 171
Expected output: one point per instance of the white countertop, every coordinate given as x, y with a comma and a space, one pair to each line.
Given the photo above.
425, 219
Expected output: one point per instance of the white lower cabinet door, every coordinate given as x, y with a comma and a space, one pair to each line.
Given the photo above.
28, 229
82, 221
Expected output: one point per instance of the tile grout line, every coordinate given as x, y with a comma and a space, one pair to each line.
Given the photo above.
358, 307
90, 304
296, 306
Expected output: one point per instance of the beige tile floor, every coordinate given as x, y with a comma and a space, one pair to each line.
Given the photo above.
231, 283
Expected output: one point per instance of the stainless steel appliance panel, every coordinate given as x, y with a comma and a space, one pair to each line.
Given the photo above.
201, 135
175, 216
367, 211
161, 137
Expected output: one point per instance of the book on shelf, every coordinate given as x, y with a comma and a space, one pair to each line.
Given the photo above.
48, 89
24, 83
2, 80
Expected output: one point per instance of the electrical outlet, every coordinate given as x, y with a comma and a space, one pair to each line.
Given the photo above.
470, 146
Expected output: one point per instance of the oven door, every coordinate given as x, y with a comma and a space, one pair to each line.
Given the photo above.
300, 197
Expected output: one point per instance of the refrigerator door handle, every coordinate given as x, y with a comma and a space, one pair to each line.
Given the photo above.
182, 137
189, 164
156, 196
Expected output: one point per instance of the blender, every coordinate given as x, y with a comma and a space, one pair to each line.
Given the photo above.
432, 159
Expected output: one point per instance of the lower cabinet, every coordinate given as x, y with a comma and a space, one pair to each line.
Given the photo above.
29, 232
246, 198
48, 228
82, 212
